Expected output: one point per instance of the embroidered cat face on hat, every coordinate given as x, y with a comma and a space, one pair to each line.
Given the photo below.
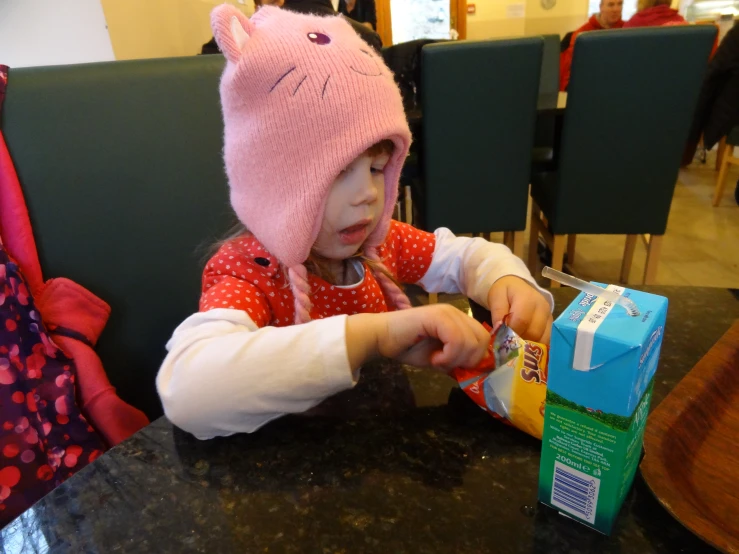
302, 96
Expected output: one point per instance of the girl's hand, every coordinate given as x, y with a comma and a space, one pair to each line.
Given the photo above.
439, 335
531, 316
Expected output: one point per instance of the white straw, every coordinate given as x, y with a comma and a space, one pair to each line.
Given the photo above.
589, 288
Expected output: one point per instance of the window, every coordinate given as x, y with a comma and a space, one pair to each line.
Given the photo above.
414, 19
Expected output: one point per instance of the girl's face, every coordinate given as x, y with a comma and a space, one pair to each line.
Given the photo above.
354, 206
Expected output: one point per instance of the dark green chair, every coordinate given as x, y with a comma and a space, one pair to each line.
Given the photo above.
479, 112
629, 108
122, 172
544, 137
549, 80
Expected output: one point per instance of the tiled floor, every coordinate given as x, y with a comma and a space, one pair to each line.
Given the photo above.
700, 248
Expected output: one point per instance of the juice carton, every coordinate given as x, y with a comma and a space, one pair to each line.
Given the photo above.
602, 361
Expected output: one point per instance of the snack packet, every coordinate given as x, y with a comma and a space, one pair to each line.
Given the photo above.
510, 383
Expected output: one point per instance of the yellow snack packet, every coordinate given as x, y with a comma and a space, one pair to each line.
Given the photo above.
511, 381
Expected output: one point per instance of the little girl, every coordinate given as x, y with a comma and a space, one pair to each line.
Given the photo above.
315, 137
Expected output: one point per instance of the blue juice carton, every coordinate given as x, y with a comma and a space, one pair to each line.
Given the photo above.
601, 368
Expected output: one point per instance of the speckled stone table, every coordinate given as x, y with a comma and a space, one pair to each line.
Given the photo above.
403, 463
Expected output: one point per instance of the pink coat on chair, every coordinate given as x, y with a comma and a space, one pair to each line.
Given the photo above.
72, 314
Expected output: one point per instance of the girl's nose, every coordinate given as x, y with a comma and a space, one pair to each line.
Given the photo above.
366, 191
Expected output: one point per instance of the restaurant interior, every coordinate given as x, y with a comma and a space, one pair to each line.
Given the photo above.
610, 154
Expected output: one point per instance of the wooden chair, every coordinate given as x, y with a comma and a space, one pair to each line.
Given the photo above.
724, 158
619, 159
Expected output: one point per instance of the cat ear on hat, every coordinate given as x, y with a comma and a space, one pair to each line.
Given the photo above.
231, 29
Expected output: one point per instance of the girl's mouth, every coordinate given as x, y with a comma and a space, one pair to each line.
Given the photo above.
356, 233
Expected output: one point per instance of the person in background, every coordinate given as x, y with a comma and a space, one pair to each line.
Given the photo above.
654, 13
362, 11
565, 42
316, 7
717, 111
325, 7
658, 13
609, 17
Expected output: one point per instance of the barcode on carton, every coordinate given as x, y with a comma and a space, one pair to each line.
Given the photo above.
575, 492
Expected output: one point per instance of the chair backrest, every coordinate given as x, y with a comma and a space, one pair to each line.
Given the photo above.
630, 103
548, 84
404, 60
549, 80
479, 112
733, 136
122, 172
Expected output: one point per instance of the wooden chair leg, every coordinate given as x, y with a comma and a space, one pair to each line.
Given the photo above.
558, 254
534, 237
653, 253
628, 257
720, 152
408, 201
571, 241
518, 240
433, 298
721, 180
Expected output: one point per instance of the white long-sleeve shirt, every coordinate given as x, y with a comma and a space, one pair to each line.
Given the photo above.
230, 369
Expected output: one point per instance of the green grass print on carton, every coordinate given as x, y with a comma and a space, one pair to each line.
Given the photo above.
615, 421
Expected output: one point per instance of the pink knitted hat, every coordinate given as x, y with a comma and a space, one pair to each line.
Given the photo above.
302, 96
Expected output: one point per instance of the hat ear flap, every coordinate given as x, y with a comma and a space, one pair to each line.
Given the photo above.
231, 29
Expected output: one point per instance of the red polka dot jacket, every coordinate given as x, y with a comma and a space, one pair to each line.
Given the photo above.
243, 275
241, 362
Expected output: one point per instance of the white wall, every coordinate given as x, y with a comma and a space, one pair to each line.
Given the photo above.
141, 29
496, 19
48, 32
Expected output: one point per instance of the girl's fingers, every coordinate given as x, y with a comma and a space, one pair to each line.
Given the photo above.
538, 327
453, 336
466, 345
522, 316
547, 338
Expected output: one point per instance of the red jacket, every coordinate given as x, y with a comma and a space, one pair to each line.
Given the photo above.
64, 305
655, 17
565, 58
660, 16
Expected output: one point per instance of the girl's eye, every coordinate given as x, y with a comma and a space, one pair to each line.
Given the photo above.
377, 170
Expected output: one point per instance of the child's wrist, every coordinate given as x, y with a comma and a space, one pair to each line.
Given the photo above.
362, 338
